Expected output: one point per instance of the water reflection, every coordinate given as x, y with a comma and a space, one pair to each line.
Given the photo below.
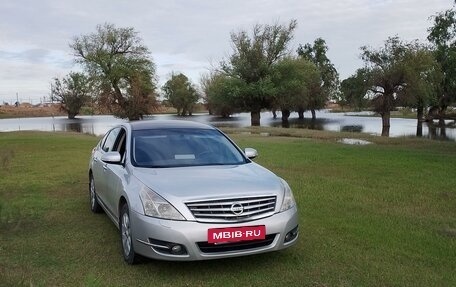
317, 124
352, 128
98, 125
439, 131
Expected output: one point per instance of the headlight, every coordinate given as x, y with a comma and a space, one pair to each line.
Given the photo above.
154, 205
288, 199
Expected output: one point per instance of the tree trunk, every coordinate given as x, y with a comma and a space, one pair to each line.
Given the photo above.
443, 134
441, 122
432, 130
420, 114
255, 118
71, 115
301, 113
314, 116
386, 123
285, 115
419, 119
274, 114
419, 129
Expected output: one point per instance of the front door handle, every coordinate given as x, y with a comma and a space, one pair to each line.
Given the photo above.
105, 166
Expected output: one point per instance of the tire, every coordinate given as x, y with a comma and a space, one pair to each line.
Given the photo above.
126, 239
94, 204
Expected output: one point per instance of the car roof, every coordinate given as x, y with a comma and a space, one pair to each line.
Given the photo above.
167, 124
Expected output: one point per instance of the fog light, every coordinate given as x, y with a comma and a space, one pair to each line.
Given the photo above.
166, 247
292, 234
176, 249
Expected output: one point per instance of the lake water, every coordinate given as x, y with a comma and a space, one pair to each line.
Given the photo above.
354, 122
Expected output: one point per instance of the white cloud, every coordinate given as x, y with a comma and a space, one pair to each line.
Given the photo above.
187, 36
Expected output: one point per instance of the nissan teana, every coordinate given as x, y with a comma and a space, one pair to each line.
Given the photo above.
180, 190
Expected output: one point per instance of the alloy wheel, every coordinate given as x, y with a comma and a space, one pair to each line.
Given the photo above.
126, 234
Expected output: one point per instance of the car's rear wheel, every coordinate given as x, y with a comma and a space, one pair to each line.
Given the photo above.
126, 237
94, 205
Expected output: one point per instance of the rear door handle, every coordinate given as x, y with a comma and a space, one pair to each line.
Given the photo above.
105, 166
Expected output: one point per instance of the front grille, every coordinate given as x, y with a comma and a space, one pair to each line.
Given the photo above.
221, 210
235, 246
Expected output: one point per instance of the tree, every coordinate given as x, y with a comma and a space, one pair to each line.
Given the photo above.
353, 90
181, 94
329, 75
121, 67
386, 77
423, 78
400, 74
295, 80
251, 63
72, 92
443, 36
220, 92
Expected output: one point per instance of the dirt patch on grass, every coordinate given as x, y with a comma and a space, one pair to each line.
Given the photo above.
448, 232
447, 195
6, 156
12, 220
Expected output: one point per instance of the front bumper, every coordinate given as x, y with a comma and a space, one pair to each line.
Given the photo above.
147, 231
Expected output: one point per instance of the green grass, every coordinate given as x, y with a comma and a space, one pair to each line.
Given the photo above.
376, 215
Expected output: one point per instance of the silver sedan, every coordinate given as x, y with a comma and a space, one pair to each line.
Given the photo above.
179, 190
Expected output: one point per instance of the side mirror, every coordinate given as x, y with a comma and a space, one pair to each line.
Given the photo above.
111, 157
250, 153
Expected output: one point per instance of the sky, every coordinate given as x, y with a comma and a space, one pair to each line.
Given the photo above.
191, 36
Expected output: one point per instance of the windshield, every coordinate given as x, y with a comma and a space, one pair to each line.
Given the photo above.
183, 147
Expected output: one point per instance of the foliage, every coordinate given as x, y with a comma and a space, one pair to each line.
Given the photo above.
353, 90
181, 94
72, 92
443, 36
329, 75
121, 67
221, 92
423, 77
296, 81
386, 76
251, 63
398, 74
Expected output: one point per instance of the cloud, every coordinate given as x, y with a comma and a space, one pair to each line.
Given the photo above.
187, 36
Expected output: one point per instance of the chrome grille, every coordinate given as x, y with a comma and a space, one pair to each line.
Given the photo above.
221, 210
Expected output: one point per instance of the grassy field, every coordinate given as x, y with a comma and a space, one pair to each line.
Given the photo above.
376, 215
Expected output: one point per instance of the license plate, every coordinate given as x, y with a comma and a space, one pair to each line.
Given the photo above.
235, 234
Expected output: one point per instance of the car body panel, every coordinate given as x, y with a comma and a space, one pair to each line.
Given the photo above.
121, 182
188, 233
209, 182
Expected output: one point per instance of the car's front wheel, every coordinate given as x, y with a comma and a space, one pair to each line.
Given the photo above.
126, 237
94, 205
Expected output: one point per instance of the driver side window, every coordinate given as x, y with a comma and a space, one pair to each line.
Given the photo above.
120, 143
108, 145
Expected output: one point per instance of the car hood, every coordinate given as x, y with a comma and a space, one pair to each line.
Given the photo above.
210, 182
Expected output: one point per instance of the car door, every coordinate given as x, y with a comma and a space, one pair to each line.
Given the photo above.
97, 164
114, 173
100, 167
